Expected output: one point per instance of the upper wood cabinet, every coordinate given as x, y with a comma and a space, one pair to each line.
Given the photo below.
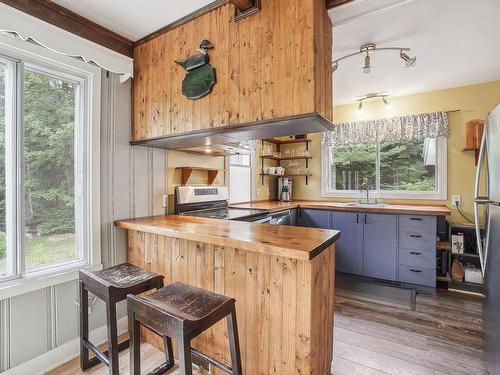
276, 63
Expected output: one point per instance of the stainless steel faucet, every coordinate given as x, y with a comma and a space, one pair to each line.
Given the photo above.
365, 186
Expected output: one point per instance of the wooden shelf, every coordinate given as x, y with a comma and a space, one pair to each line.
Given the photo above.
287, 141
306, 175
186, 173
446, 278
443, 245
271, 157
287, 175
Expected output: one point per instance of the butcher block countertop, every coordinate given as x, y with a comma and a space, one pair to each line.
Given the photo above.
275, 206
278, 240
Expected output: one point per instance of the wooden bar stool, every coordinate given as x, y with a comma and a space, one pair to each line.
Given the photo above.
112, 285
183, 312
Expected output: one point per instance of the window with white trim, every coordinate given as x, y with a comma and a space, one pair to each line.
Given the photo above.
413, 169
43, 165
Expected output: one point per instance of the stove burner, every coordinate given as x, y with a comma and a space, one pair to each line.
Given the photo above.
229, 213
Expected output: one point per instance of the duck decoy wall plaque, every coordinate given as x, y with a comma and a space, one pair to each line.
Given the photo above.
200, 78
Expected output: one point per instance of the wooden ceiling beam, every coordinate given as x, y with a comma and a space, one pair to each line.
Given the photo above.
64, 18
336, 3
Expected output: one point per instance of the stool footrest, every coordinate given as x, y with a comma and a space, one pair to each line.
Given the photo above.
102, 356
162, 369
219, 365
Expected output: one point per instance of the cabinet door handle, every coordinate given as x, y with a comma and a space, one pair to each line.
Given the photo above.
416, 271
416, 218
366, 219
415, 253
357, 218
415, 236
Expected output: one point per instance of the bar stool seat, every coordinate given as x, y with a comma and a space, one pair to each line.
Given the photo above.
183, 311
112, 285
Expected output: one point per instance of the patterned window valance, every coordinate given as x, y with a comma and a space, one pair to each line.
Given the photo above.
394, 129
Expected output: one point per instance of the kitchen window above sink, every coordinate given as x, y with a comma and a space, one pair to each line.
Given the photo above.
414, 169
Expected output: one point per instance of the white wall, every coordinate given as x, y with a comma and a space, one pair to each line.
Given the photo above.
132, 183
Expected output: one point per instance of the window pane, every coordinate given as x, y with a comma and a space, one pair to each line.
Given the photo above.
409, 166
49, 125
4, 269
240, 159
349, 165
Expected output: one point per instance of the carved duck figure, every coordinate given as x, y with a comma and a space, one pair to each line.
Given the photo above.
197, 60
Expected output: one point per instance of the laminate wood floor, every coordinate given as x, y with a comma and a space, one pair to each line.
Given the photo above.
443, 336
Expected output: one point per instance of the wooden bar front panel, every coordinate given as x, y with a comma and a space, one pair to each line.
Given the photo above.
276, 63
284, 306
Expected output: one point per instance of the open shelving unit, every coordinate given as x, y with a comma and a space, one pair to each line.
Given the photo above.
211, 173
279, 159
466, 257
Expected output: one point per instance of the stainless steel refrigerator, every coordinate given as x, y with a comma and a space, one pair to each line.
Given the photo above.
489, 246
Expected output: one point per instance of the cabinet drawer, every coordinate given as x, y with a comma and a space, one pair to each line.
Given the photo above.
418, 223
417, 241
417, 275
418, 258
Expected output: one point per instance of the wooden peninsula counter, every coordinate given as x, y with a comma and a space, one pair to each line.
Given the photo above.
281, 277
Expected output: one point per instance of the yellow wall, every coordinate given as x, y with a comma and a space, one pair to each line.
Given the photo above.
183, 159
474, 102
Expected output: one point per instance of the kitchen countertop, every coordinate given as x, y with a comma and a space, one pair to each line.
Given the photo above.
278, 240
275, 206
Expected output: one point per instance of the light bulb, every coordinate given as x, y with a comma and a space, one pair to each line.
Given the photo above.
360, 107
387, 104
410, 62
367, 68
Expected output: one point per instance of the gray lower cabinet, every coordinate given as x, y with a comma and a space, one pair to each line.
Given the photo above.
383, 246
315, 218
380, 246
349, 248
417, 250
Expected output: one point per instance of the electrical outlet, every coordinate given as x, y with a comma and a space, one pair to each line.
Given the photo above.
164, 200
456, 200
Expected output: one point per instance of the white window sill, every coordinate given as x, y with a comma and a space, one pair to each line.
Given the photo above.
31, 283
394, 195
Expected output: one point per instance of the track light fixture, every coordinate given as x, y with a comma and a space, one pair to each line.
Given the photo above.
370, 48
360, 101
410, 62
367, 68
360, 107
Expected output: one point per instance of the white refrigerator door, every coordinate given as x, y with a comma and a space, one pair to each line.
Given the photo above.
493, 153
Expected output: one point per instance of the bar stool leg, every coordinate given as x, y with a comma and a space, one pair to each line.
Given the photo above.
112, 338
135, 344
169, 352
234, 344
84, 326
185, 363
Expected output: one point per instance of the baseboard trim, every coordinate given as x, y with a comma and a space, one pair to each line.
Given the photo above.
64, 353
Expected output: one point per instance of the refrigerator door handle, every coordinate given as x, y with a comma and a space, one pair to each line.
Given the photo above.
482, 256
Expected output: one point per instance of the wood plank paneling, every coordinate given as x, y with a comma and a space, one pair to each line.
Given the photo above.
273, 64
284, 306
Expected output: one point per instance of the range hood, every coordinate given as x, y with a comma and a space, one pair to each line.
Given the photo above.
280, 77
232, 135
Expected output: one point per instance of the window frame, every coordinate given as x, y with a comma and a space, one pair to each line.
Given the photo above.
441, 192
87, 166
